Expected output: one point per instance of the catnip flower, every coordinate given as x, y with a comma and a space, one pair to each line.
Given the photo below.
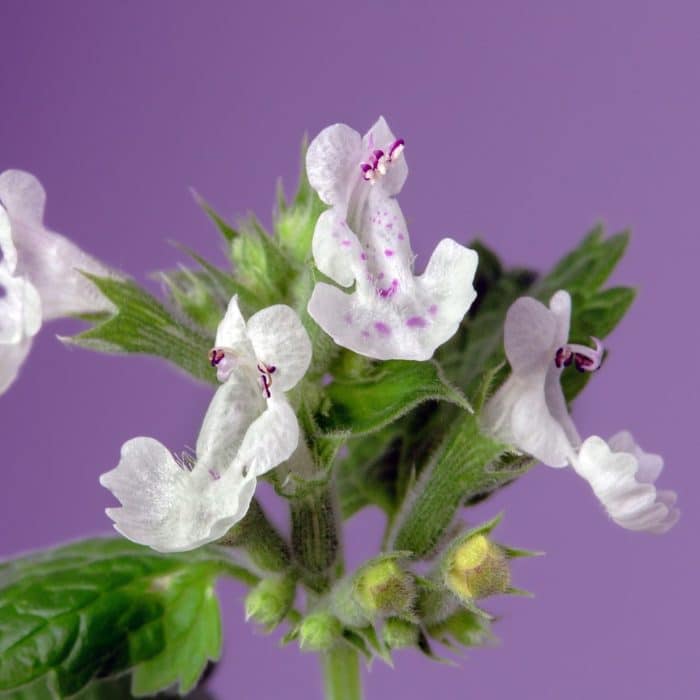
39, 272
175, 503
363, 240
622, 477
529, 412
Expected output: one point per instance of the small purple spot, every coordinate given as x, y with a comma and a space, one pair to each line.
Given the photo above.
348, 319
388, 252
401, 236
363, 256
380, 275
432, 309
365, 334
382, 328
416, 322
390, 225
345, 242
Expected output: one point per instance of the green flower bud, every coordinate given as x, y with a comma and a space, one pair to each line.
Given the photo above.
477, 568
319, 631
399, 633
270, 600
384, 588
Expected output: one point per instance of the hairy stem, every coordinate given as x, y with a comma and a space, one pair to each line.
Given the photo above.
341, 674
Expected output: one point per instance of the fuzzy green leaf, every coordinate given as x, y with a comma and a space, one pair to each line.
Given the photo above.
102, 607
361, 406
143, 325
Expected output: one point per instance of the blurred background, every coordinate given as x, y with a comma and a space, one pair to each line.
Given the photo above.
525, 123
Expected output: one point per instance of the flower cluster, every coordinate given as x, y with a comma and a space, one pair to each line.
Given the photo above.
373, 304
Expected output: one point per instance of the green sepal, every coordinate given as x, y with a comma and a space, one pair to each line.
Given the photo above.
102, 607
462, 628
141, 324
294, 223
362, 406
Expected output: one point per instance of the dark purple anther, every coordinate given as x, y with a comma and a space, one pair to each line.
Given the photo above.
215, 356
396, 149
585, 359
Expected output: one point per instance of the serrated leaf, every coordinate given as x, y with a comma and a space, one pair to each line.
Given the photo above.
361, 406
101, 607
143, 325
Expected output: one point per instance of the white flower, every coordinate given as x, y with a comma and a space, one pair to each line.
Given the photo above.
529, 411
39, 278
173, 504
363, 240
622, 476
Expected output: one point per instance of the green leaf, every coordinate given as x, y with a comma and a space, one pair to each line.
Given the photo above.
143, 325
586, 268
361, 406
225, 229
101, 607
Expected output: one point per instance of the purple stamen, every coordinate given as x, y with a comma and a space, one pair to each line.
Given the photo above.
585, 359
396, 149
215, 356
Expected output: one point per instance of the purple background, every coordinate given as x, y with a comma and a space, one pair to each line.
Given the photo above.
525, 124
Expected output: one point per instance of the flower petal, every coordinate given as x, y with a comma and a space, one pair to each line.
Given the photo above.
333, 163
167, 507
280, 341
8, 252
11, 358
335, 246
51, 262
529, 335
271, 438
533, 428
20, 308
650, 465
237, 403
232, 340
381, 136
631, 503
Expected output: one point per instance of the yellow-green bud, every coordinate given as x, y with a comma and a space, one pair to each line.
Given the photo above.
385, 588
270, 600
477, 568
399, 633
319, 631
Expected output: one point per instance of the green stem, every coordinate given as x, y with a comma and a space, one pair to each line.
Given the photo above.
315, 537
464, 466
341, 674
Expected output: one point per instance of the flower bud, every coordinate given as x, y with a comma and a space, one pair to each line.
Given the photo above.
477, 568
319, 631
384, 588
270, 600
399, 633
